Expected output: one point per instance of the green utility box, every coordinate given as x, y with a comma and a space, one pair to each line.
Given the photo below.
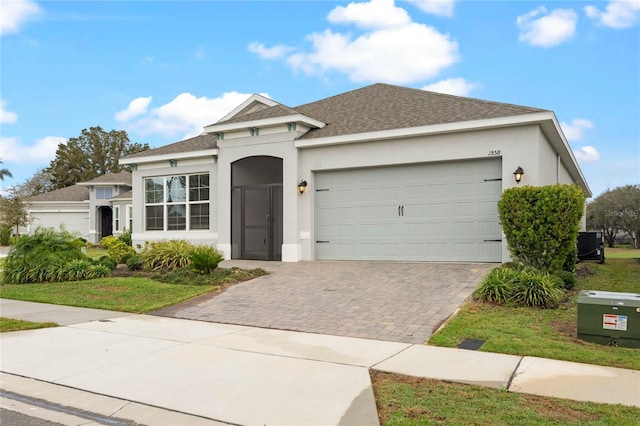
609, 318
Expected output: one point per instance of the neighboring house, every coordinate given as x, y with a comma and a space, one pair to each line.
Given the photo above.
379, 173
93, 209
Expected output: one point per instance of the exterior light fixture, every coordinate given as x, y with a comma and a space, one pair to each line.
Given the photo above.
302, 186
518, 174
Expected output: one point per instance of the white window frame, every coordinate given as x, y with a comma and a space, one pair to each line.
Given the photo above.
116, 219
166, 204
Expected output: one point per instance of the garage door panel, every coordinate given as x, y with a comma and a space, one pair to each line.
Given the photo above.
439, 212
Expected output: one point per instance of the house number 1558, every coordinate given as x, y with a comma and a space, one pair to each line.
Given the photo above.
495, 153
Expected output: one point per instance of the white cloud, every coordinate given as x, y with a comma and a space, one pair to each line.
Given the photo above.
186, 115
546, 29
374, 14
394, 51
136, 107
14, 13
7, 117
436, 7
574, 131
618, 13
277, 51
405, 54
587, 154
452, 86
43, 150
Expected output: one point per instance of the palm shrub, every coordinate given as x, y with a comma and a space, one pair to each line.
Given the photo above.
204, 259
541, 223
166, 255
98, 271
38, 257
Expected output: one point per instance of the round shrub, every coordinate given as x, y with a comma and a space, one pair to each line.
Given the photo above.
134, 263
568, 279
536, 289
204, 259
107, 261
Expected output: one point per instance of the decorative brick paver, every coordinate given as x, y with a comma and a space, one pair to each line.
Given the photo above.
400, 302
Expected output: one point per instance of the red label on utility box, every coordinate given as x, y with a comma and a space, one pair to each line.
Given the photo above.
614, 322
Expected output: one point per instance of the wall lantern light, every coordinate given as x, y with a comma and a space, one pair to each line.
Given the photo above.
518, 174
302, 186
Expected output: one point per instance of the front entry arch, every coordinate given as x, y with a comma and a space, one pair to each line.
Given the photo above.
256, 208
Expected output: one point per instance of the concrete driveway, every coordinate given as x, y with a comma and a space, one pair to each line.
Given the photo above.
398, 302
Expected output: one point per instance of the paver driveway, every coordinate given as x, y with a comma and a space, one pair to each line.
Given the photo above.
401, 302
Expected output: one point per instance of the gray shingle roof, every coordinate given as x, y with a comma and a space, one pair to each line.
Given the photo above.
70, 193
198, 143
384, 107
369, 109
114, 178
124, 196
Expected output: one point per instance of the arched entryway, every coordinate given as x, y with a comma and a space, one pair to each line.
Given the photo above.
256, 208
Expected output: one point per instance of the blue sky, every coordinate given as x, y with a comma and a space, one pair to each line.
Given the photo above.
163, 69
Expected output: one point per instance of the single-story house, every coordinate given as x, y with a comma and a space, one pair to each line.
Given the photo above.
378, 173
92, 209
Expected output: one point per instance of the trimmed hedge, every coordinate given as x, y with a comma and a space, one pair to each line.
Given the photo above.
542, 223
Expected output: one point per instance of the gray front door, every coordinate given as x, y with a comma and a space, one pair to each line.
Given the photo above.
262, 222
256, 208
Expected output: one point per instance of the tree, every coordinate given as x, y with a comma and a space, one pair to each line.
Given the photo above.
94, 153
13, 211
4, 172
39, 183
616, 210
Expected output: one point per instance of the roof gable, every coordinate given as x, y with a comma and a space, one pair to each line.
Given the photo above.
198, 143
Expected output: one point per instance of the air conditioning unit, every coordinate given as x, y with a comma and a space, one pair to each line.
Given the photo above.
591, 246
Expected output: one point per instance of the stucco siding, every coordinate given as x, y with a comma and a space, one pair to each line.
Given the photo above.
548, 162
184, 167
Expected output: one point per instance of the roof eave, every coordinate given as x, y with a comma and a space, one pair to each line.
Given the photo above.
170, 156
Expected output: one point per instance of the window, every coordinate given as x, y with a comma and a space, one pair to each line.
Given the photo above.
130, 217
104, 193
177, 203
116, 218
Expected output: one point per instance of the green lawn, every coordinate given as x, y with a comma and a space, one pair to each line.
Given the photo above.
403, 400
547, 333
130, 294
8, 324
621, 253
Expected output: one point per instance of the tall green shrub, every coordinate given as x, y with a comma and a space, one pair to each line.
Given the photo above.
42, 256
542, 223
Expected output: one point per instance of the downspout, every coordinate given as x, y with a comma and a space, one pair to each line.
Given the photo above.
557, 168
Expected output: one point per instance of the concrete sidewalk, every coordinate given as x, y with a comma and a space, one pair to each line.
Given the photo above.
212, 372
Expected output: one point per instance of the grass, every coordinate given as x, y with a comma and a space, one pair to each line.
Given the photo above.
94, 252
621, 253
124, 294
547, 333
8, 324
403, 400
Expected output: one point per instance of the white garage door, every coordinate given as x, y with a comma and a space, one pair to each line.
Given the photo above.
419, 212
74, 222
